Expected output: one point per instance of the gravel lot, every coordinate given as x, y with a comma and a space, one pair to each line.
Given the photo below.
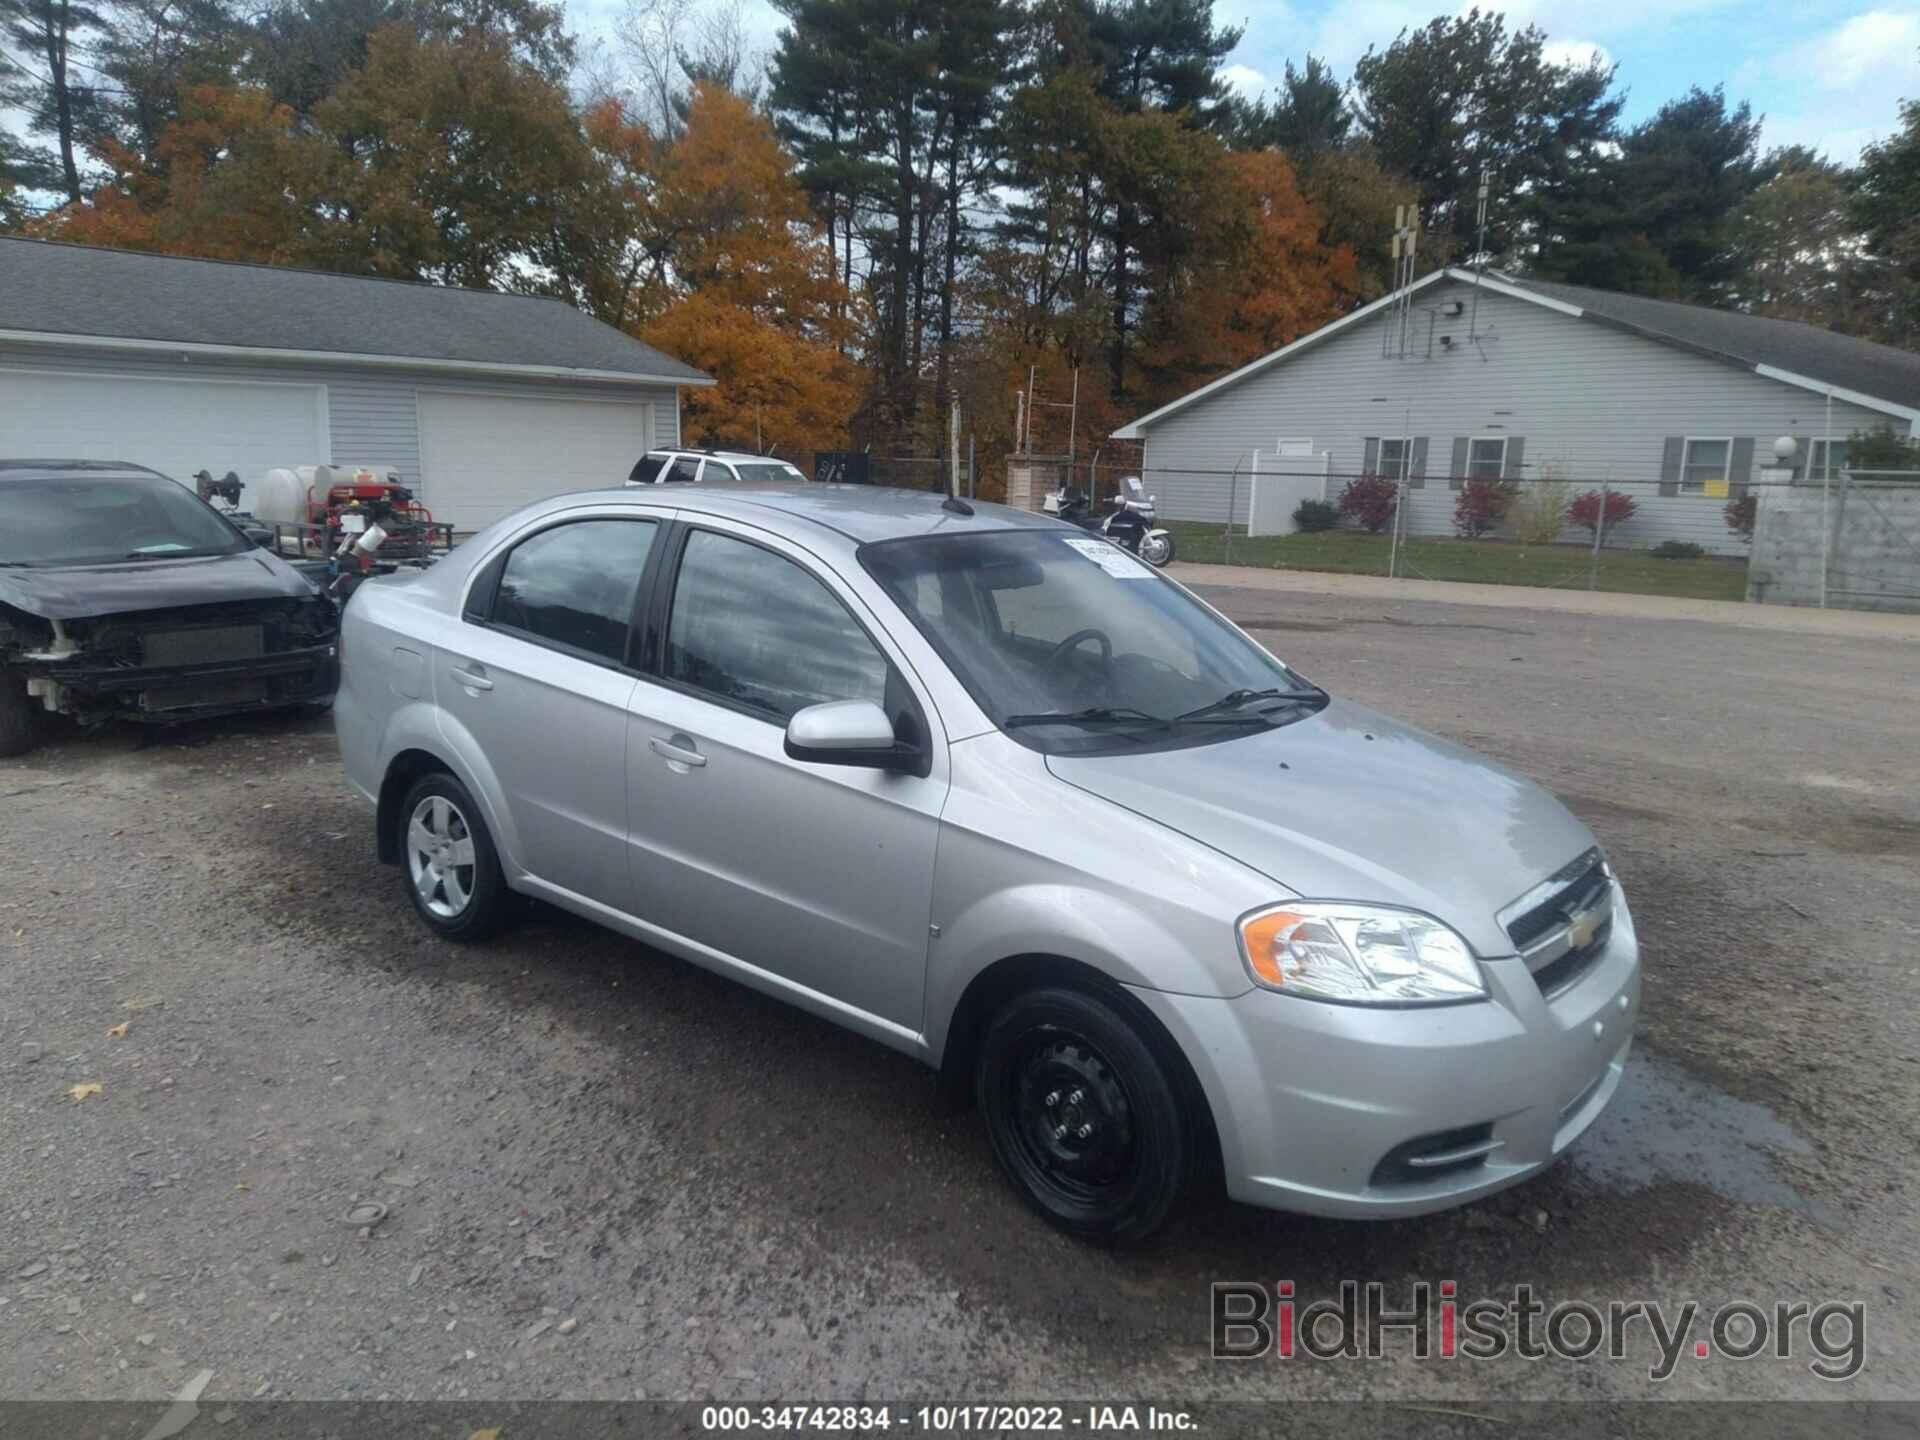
608, 1174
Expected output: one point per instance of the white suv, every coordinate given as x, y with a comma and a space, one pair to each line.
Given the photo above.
669, 467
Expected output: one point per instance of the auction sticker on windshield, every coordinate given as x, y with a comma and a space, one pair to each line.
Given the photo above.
1110, 558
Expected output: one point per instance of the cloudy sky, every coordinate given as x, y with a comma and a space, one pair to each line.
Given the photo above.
1827, 73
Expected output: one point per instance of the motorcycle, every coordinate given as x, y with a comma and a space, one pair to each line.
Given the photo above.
1128, 522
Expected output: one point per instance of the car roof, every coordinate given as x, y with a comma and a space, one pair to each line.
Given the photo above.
861, 513
742, 457
59, 469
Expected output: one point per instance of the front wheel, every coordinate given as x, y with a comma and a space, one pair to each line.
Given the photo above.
1084, 1115
1156, 548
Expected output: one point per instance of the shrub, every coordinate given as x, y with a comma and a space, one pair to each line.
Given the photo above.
1585, 510
1370, 500
1740, 514
1482, 505
1678, 550
1540, 512
1314, 516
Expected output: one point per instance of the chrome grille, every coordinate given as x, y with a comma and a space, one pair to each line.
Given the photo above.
1562, 925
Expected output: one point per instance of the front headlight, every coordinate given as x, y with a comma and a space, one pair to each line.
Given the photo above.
1358, 954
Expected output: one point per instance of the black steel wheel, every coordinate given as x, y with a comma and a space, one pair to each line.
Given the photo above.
1084, 1115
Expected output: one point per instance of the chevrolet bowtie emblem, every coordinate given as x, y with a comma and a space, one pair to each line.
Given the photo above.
1581, 929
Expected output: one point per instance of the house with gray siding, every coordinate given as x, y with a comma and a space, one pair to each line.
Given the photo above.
481, 401
1487, 375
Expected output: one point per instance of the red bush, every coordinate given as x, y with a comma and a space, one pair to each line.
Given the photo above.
1371, 500
1585, 509
1482, 505
1740, 515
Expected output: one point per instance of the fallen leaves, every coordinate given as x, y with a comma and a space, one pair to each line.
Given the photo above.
82, 1091
119, 1032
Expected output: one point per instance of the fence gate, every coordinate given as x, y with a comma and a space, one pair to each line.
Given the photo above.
1280, 482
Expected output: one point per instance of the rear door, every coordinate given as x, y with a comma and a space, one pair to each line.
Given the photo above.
539, 678
820, 875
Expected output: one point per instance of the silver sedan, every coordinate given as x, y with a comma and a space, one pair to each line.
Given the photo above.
983, 787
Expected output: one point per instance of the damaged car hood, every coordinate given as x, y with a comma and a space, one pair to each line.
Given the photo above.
74, 592
1350, 805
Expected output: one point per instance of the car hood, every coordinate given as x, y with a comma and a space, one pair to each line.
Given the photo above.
1351, 805
74, 592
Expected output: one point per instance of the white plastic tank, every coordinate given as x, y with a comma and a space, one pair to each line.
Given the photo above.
281, 498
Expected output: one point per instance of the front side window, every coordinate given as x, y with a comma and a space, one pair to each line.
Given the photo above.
1704, 461
98, 520
1487, 459
753, 628
1072, 646
574, 585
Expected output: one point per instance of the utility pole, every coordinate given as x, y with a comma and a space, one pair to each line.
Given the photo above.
953, 448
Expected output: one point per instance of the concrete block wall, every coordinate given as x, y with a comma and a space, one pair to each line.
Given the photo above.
1874, 563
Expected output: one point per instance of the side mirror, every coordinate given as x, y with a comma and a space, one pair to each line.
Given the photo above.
848, 732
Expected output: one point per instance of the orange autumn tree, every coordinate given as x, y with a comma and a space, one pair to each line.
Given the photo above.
219, 182
735, 279
1257, 276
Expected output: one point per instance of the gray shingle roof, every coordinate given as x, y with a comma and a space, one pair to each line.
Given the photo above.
1838, 360
80, 290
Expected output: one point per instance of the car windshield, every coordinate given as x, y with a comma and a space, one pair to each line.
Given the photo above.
1074, 647
95, 520
770, 472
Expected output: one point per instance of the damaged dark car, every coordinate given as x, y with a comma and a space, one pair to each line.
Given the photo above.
124, 596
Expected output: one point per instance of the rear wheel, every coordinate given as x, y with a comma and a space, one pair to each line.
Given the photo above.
452, 870
1084, 1114
18, 724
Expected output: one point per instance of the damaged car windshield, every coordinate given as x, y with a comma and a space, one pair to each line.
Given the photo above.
95, 521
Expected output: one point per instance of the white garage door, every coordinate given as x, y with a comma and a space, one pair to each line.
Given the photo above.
173, 426
482, 456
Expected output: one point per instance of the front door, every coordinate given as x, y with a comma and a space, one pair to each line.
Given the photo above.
821, 875
538, 677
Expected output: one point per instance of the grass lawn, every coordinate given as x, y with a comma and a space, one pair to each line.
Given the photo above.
1486, 562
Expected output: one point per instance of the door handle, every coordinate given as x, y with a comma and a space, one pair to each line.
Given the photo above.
474, 679
667, 750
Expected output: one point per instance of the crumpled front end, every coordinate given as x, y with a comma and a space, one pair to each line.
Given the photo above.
170, 665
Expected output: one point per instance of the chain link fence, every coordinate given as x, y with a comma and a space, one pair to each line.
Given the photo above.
1559, 528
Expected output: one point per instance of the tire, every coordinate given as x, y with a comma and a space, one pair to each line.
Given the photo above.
448, 862
1157, 551
19, 727
1056, 1059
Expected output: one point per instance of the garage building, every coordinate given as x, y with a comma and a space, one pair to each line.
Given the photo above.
480, 400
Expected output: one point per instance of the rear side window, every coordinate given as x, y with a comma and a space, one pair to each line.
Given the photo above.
684, 472
648, 470
574, 585
754, 628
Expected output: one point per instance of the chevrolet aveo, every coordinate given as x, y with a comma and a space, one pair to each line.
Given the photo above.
985, 788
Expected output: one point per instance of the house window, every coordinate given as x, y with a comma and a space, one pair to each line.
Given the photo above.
1818, 452
1702, 461
1394, 455
1487, 459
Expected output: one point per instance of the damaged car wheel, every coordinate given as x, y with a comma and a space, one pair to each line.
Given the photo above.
18, 728
452, 870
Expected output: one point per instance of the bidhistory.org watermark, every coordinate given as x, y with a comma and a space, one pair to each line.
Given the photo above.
1431, 1320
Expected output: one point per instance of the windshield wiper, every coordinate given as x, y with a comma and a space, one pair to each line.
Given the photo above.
1094, 715
1239, 699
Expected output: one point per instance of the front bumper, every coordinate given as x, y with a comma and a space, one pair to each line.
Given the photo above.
1362, 1113
167, 694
